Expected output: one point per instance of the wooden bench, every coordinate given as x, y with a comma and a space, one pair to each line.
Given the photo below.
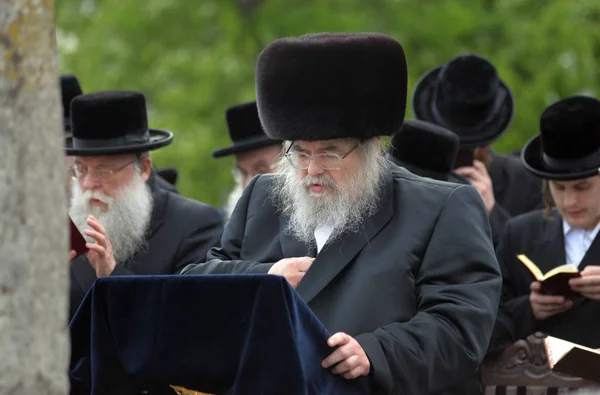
522, 369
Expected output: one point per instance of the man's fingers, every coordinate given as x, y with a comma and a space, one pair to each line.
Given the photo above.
354, 373
338, 339
535, 286
303, 264
99, 237
72, 255
94, 224
547, 300
98, 249
346, 365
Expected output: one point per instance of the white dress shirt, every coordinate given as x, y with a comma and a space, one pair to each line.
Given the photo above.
322, 234
577, 242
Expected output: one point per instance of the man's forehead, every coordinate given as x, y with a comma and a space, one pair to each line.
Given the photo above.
104, 159
323, 145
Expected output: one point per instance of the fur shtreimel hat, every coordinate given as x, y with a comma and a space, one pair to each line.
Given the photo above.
425, 149
568, 146
332, 85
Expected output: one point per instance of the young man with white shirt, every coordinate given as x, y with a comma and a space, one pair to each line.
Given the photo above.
401, 269
566, 155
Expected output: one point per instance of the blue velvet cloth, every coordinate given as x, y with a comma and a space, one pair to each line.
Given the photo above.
218, 334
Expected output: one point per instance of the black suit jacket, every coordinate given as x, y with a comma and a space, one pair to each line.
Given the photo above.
542, 240
181, 232
418, 286
516, 192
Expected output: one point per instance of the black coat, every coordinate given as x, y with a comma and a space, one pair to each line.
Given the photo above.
542, 240
515, 189
181, 232
418, 286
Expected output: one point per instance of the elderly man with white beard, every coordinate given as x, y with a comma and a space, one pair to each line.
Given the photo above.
400, 269
132, 226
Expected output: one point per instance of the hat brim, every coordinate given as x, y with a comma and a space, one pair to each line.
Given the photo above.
246, 145
158, 138
531, 157
478, 135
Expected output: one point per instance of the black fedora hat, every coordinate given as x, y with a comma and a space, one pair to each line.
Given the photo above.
326, 86
112, 122
466, 96
69, 89
568, 146
245, 131
424, 149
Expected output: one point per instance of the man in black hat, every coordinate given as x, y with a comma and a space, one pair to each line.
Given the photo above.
131, 225
426, 150
401, 269
566, 155
255, 153
467, 97
70, 89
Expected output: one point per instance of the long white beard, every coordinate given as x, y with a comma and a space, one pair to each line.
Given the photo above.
343, 209
126, 220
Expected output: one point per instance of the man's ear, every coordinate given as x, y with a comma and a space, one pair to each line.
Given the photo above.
146, 163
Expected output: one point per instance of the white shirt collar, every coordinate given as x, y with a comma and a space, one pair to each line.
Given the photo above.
591, 233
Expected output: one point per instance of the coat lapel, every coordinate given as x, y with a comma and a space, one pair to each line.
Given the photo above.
290, 247
592, 255
334, 257
159, 204
550, 248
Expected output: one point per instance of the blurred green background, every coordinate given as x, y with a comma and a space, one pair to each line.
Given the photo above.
195, 58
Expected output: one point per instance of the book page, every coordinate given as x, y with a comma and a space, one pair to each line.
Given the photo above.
556, 349
537, 273
562, 269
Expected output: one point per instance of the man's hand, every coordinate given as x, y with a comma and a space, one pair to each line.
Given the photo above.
588, 284
480, 179
293, 269
100, 253
546, 306
349, 359
72, 255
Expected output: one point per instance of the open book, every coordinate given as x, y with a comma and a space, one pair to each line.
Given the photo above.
556, 281
573, 359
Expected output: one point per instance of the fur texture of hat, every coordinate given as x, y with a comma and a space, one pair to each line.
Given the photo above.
332, 85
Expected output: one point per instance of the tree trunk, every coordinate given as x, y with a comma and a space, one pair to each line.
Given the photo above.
34, 343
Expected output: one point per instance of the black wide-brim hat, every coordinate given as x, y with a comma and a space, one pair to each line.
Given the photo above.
69, 89
112, 122
467, 97
327, 86
424, 149
245, 131
568, 146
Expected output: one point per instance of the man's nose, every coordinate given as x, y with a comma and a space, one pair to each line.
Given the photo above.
314, 169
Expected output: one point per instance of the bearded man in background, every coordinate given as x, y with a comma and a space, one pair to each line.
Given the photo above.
132, 226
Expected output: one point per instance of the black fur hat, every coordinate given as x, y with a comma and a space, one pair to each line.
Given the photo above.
69, 89
331, 85
568, 146
112, 122
424, 149
245, 130
467, 97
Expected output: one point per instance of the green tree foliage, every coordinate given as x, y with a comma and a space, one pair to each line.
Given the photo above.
193, 59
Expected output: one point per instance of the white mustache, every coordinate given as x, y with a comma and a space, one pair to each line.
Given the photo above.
89, 195
322, 180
